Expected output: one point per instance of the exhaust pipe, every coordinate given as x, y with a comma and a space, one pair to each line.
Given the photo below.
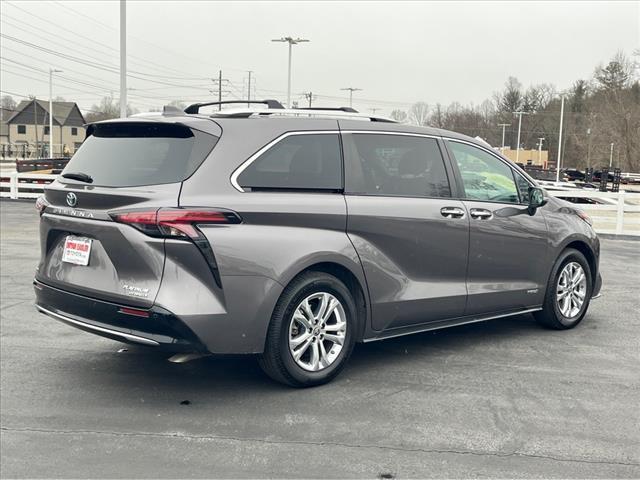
187, 357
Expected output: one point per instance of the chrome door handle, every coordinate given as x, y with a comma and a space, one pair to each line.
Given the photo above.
480, 213
452, 212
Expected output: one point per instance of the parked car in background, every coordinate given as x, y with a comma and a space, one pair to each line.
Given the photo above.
294, 234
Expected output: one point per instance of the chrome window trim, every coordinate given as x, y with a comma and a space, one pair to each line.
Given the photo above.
384, 132
236, 173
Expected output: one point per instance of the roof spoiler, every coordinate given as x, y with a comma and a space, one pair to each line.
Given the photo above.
195, 108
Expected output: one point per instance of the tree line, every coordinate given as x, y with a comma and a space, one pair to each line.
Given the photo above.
601, 110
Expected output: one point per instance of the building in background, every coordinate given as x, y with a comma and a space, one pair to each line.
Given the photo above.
528, 157
28, 130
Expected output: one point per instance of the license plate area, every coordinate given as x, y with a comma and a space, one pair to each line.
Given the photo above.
77, 250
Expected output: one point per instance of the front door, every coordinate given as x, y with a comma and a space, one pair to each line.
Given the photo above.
508, 247
411, 236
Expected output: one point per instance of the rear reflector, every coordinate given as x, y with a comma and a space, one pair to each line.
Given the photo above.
134, 311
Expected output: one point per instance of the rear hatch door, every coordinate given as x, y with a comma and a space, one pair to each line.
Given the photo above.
133, 166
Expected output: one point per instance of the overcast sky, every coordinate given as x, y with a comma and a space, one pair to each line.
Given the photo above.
396, 52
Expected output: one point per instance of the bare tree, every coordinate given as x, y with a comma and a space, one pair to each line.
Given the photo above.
419, 114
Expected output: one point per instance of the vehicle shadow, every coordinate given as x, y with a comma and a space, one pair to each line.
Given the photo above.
217, 377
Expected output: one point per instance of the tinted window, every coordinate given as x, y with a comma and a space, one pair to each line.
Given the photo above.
399, 165
484, 176
128, 154
310, 161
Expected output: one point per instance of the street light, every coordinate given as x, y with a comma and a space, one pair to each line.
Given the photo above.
503, 125
291, 41
51, 72
519, 127
611, 156
560, 139
351, 90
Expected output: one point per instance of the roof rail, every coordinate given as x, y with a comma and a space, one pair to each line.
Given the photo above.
330, 109
299, 112
195, 108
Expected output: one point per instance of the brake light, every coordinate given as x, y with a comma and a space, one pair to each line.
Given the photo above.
41, 204
175, 222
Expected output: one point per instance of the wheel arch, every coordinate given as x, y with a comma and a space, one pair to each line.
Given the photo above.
583, 247
354, 283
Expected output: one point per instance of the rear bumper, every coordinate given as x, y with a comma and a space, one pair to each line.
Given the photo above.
159, 329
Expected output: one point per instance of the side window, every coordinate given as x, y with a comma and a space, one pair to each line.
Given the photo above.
523, 187
399, 165
311, 162
484, 176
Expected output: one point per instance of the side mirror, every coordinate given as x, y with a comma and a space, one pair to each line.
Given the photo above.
536, 199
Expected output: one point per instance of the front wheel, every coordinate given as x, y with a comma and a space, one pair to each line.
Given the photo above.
568, 292
311, 334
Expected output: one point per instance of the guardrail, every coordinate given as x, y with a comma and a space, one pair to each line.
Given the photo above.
24, 185
624, 208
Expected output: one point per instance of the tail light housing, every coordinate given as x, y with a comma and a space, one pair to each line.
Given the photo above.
175, 222
41, 204
180, 223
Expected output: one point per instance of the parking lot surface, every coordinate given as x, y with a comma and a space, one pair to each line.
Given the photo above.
504, 398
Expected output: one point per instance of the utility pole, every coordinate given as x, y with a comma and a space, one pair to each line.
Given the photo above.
503, 125
249, 89
519, 128
588, 147
540, 140
291, 41
35, 121
219, 81
309, 96
560, 140
611, 156
351, 90
51, 72
123, 59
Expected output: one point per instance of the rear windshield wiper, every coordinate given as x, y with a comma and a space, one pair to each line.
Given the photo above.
81, 177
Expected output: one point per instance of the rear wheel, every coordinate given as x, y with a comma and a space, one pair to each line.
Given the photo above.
568, 292
311, 334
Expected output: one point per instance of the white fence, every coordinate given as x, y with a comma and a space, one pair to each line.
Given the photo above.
23, 185
614, 213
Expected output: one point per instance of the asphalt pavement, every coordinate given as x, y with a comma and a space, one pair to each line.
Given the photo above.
505, 398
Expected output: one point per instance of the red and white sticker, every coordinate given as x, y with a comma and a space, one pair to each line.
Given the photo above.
76, 250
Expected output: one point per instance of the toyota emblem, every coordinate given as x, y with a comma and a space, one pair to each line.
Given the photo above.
72, 200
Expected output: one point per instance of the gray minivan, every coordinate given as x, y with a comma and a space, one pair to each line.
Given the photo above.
293, 234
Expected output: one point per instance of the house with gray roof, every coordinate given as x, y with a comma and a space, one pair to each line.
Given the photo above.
28, 129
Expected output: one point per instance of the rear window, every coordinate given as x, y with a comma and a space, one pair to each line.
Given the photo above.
134, 154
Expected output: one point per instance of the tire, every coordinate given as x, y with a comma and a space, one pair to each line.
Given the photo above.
291, 323
565, 314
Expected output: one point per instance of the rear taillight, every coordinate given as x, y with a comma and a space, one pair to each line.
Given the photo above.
175, 222
180, 223
41, 204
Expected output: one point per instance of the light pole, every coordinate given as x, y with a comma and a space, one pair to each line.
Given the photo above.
519, 128
503, 125
560, 140
611, 156
123, 59
351, 90
51, 72
540, 140
291, 41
